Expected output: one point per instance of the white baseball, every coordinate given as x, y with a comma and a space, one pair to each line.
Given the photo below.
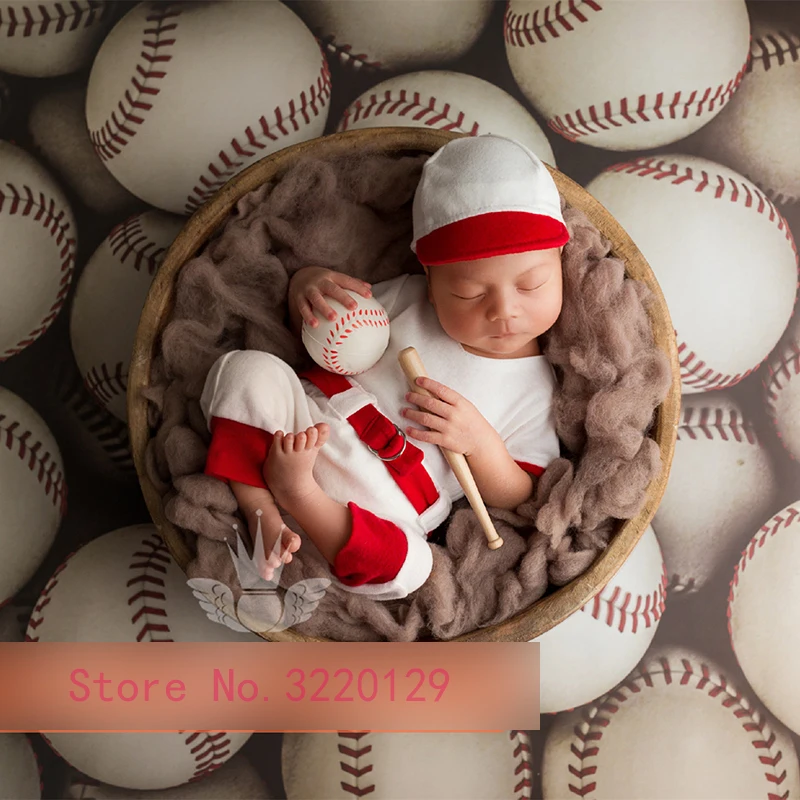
19, 768
597, 646
108, 302
183, 96
84, 426
37, 261
354, 341
33, 492
398, 766
627, 76
749, 134
721, 252
125, 587
781, 383
57, 127
45, 38
395, 34
171, 759
675, 728
236, 779
764, 615
723, 482
450, 101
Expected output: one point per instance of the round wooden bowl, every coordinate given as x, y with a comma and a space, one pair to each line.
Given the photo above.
554, 607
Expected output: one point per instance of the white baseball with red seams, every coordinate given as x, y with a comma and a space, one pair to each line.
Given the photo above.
33, 492
399, 766
749, 134
597, 646
721, 252
108, 302
764, 615
37, 229
627, 76
125, 587
722, 483
183, 96
352, 342
20, 775
236, 779
675, 728
781, 383
46, 38
448, 101
367, 36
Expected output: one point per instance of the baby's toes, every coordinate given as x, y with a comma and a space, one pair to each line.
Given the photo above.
300, 442
311, 437
288, 443
324, 432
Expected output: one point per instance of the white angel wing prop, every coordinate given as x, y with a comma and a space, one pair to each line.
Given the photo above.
216, 599
300, 601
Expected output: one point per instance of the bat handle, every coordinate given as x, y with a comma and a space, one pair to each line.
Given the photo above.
413, 368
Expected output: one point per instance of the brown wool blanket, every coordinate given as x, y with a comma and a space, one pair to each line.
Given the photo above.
353, 214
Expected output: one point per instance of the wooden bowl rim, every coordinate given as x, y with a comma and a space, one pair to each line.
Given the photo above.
550, 610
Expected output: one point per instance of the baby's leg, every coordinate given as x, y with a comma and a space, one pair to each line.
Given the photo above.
288, 472
255, 499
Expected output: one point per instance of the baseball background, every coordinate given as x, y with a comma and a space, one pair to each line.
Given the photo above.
680, 680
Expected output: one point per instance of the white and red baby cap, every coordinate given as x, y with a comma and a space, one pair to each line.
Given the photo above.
483, 196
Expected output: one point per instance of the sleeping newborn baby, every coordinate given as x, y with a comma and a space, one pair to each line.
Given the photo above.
356, 460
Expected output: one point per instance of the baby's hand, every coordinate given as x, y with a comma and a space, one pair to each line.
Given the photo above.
454, 423
309, 287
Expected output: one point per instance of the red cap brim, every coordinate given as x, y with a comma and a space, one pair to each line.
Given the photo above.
494, 234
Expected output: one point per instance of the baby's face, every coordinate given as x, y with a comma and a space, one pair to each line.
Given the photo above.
496, 307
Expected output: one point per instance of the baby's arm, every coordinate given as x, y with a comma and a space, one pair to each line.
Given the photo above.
500, 480
308, 288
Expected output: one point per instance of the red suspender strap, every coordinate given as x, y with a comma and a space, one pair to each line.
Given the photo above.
381, 435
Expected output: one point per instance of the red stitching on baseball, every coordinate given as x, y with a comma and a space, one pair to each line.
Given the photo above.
344, 53
105, 385
257, 138
38, 20
210, 751
129, 242
21, 201
622, 609
524, 766
157, 37
594, 119
694, 371
600, 714
44, 600
148, 596
716, 423
40, 461
110, 432
775, 50
344, 326
776, 524
784, 366
520, 30
355, 764
406, 103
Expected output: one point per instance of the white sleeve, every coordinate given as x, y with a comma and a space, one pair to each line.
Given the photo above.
387, 292
535, 443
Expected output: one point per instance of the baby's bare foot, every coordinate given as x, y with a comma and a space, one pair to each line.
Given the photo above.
288, 469
273, 529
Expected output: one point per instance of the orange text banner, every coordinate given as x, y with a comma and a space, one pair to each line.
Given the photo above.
269, 686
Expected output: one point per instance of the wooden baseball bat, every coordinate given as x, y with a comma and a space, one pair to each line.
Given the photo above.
413, 368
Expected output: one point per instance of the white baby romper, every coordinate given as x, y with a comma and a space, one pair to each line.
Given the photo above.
250, 394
